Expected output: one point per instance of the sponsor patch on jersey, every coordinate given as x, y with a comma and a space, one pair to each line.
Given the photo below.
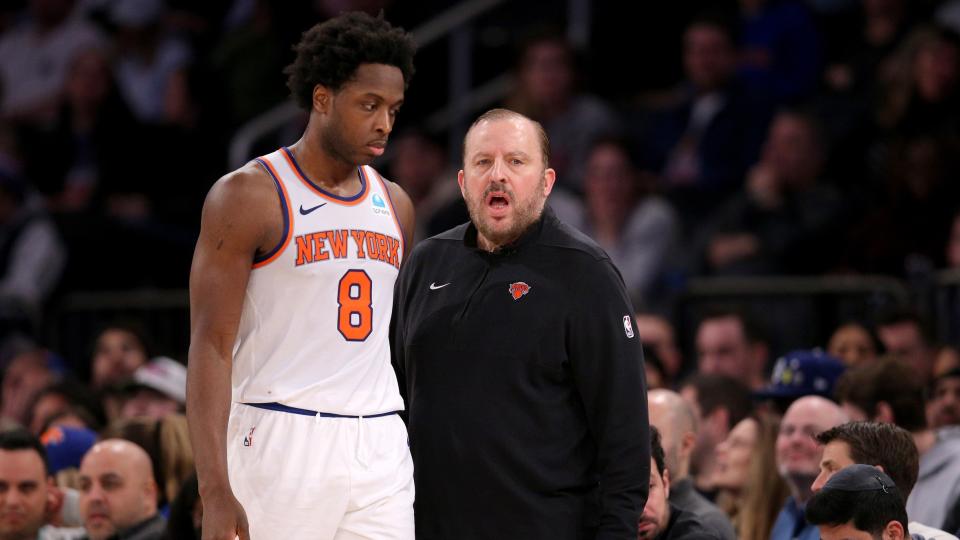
379, 205
628, 326
519, 289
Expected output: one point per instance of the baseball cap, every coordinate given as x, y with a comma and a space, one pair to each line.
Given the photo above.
66, 446
165, 375
801, 373
860, 477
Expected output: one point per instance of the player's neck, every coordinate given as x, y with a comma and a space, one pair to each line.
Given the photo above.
318, 164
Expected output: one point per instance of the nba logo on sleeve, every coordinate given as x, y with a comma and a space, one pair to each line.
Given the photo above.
628, 326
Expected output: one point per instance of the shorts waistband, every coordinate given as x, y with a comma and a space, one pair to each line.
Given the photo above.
307, 412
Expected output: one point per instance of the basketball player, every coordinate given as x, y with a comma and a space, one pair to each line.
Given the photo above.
290, 298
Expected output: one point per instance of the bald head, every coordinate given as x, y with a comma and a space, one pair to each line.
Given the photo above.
798, 453
677, 423
117, 489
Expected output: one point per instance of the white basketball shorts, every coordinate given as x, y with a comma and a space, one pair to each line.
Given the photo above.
304, 477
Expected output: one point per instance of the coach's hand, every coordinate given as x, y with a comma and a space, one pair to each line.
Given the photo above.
224, 519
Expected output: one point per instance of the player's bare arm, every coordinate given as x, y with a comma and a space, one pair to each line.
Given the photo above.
405, 213
241, 218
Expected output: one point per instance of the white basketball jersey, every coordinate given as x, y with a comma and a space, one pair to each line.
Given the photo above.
314, 332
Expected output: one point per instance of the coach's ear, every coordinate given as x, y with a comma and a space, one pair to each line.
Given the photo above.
894, 531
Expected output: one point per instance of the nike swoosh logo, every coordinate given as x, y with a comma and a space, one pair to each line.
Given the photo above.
434, 286
308, 210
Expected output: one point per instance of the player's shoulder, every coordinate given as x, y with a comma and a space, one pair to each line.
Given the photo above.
251, 181
249, 189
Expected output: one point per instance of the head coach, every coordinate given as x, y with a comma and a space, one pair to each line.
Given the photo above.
513, 339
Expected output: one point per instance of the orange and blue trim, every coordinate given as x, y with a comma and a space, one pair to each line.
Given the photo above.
393, 211
285, 209
312, 186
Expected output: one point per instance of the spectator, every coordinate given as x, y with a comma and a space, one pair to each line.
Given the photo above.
655, 373
419, 165
798, 461
639, 230
546, 91
118, 496
90, 124
947, 358
719, 403
661, 520
657, 333
60, 398
943, 408
784, 219
919, 92
27, 493
31, 251
853, 343
26, 375
801, 373
66, 446
157, 389
118, 351
905, 230
702, 144
886, 446
885, 391
856, 68
151, 68
186, 512
730, 343
167, 442
889, 391
750, 491
780, 50
674, 419
35, 55
905, 334
859, 499
249, 63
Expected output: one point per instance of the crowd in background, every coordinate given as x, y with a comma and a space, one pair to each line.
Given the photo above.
797, 138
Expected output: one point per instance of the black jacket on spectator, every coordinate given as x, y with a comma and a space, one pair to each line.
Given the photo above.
684, 525
524, 388
684, 496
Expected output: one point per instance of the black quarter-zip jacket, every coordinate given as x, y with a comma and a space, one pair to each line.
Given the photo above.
525, 391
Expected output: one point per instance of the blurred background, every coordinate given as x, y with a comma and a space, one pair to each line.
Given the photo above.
796, 159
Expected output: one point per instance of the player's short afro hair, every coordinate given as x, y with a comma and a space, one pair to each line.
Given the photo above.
330, 52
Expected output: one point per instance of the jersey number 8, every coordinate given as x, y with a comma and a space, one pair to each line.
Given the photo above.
355, 312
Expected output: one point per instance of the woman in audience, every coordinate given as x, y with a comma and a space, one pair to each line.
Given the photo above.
853, 343
750, 490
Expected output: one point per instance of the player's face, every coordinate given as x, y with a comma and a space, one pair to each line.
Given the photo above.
503, 180
362, 114
656, 513
23, 494
112, 495
836, 456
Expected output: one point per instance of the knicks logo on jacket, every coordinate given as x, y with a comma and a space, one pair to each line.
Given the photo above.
338, 244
